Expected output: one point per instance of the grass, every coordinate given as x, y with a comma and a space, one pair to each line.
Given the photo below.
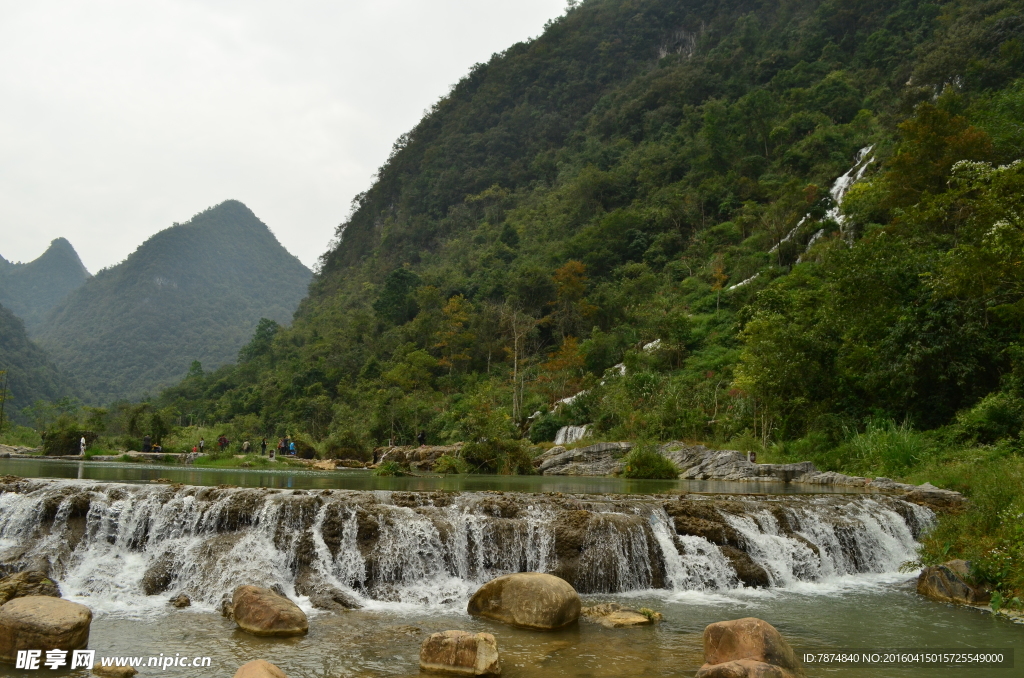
389, 468
20, 436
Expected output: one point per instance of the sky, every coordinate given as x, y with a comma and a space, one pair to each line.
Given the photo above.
119, 117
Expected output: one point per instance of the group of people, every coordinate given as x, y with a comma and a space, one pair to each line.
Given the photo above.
285, 446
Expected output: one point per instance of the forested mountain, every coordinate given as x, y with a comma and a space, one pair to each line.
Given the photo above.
31, 290
643, 205
195, 291
31, 375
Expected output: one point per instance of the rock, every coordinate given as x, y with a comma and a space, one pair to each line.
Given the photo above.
614, 616
42, 623
548, 454
947, 583
262, 612
418, 458
935, 498
747, 571
28, 583
833, 479
461, 653
747, 648
325, 465
259, 669
114, 671
181, 600
159, 576
323, 595
227, 608
600, 459
529, 599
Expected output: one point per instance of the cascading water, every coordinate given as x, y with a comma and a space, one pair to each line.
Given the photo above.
114, 544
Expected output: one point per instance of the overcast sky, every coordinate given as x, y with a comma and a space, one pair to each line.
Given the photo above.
120, 117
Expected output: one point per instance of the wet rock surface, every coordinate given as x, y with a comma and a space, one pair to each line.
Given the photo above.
263, 612
259, 668
114, 671
614, 616
528, 599
460, 653
949, 583
42, 623
28, 583
747, 648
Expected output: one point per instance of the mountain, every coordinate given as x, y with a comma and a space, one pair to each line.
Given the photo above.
712, 220
31, 375
31, 290
195, 291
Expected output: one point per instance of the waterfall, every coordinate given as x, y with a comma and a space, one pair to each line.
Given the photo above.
120, 546
570, 434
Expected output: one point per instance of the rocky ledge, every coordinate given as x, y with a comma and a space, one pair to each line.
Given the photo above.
697, 462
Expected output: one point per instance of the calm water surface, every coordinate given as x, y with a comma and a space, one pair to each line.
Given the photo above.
353, 479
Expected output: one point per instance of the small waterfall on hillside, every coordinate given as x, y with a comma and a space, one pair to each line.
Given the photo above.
117, 543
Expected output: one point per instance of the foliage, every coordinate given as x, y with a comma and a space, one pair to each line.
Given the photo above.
32, 289
30, 373
389, 468
644, 461
447, 463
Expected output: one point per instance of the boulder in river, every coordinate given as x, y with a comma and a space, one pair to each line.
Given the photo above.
262, 612
259, 668
42, 623
614, 616
460, 653
747, 648
181, 600
531, 600
28, 583
947, 583
114, 671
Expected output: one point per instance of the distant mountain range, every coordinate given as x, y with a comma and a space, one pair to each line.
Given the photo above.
31, 290
195, 291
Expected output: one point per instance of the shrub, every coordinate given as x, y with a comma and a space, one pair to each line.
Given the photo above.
506, 457
545, 428
996, 416
449, 464
644, 461
389, 468
66, 441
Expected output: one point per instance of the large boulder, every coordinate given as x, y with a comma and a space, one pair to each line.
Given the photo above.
947, 583
531, 600
42, 623
460, 653
747, 648
599, 459
259, 669
262, 612
28, 583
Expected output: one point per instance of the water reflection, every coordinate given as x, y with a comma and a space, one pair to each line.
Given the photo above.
351, 479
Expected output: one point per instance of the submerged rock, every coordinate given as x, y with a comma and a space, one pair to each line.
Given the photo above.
259, 669
460, 653
947, 583
528, 599
181, 600
114, 671
614, 616
28, 583
262, 612
42, 623
747, 648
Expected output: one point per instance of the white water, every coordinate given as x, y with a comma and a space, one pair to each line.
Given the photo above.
427, 550
570, 434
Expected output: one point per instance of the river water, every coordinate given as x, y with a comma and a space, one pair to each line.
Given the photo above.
431, 551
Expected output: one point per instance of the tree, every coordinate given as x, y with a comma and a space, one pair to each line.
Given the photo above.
454, 339
571, 309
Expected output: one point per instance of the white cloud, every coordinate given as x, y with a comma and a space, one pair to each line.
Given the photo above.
118, 118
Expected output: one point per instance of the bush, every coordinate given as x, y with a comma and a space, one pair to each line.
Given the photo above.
545, 428
449, 464
21, 436
997, 416
505, 457
644, 461
66, 441
389, 468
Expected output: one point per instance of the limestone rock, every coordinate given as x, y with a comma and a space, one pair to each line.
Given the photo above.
600, 459
181, 600
262, 612
548, 454
935, 498
747, 648
42, 623
418, 458
947, 583
259, 669
114, 671
461, 653
28, 583
529, 599
747, 571
614, 616
159, 576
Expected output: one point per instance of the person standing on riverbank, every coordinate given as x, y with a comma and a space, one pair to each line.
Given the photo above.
202, 446
263, 448
280, 447
81, 446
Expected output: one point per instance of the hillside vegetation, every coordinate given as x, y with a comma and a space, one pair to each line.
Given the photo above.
31, 290
640, 207
30, 374
193, 292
